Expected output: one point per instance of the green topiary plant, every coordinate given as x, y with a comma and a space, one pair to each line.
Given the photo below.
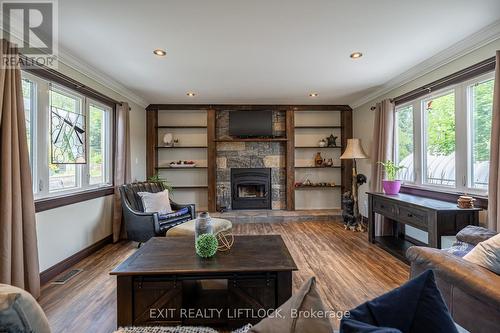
157, 179
206, 245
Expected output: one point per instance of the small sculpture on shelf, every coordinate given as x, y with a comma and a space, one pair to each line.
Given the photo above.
329, 163
332, 141
168, 140
322, 143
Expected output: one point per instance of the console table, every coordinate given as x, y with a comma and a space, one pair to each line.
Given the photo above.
437, 218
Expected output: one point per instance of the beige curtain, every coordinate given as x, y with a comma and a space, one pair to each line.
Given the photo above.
494, 177
382, 150
122, 173
18, 243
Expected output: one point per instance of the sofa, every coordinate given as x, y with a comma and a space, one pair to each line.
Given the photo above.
471, 292
140, 225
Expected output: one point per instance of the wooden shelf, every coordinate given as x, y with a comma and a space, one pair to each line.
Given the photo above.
189, 186
179, 147
171, 168
252, 140
318, 127
308, 187
308, 147
314, 167
186, 127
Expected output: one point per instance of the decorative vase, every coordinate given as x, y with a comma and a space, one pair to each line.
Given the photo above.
203, 225
168, 140
205, 241
318, 160
391, 186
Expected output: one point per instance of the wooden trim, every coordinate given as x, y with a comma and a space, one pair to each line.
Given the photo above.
211, 160
290, 160
346, 165
252, 140
151, 142
60, 267
481, 201
59, 78
69, 199
465, 74
247, 107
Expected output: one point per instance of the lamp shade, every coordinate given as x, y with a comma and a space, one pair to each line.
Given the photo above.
353, 150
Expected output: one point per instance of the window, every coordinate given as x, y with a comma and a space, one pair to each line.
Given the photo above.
443, 138
70, 139
405, 147
439, 139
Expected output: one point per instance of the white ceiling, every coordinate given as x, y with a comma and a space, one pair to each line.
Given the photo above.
263, 51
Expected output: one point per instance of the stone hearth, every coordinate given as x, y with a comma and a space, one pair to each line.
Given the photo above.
251, 155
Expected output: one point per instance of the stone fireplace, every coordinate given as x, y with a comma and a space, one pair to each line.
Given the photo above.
240, 154
251, 188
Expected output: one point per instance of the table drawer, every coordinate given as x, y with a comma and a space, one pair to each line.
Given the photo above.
413, 216
384, 207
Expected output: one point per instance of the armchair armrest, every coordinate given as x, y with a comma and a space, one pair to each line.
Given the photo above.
473, 279
474, 235
191, 207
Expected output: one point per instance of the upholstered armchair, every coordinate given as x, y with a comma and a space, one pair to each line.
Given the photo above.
141, 226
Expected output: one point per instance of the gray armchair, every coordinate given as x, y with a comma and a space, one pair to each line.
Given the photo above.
141, 226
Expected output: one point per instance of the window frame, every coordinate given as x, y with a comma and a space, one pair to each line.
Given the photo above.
463, 143
40, 110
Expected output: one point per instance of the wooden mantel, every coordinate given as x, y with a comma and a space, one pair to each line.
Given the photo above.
288, 139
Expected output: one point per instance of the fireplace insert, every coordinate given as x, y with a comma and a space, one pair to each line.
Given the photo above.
251, 188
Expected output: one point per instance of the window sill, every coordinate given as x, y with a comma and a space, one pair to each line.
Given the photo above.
450, 196
69, 199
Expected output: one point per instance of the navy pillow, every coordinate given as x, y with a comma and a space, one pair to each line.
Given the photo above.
354, 326
416, 306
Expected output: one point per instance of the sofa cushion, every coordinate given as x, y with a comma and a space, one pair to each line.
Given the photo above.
460, 249
416, 306
486, 254
156, 202
20, 313
306, 300
474, 235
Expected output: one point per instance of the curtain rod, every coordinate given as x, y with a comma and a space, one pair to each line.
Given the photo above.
465, 74
53, 75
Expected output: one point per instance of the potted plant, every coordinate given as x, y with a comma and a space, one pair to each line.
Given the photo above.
390, 184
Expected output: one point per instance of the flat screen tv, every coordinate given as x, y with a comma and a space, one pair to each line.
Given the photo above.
251, 124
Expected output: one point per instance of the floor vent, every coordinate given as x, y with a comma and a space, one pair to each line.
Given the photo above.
68, 276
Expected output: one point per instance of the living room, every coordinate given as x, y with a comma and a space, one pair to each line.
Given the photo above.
257, 166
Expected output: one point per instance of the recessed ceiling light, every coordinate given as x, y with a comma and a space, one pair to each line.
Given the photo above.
160, 52
356, 55
191, 94
313, 95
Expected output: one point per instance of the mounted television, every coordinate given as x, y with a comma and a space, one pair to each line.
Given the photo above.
251, 124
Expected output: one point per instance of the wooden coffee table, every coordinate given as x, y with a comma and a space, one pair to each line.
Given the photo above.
166, 283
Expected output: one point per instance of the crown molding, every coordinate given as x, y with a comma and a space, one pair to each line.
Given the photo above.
82, 67
85, 69
467, 45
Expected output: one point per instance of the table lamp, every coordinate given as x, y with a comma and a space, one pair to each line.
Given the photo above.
354, 151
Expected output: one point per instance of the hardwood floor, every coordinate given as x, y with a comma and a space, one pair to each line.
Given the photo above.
348, 269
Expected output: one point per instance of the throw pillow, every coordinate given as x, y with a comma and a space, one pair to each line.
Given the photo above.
20, 313
486, 254
416, 306
354, 326
292, 316
156, 202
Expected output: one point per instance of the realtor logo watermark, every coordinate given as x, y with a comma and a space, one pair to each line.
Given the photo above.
32, 27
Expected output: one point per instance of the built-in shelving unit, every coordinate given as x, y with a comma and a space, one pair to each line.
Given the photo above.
310, 127
195, 126
189, 184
